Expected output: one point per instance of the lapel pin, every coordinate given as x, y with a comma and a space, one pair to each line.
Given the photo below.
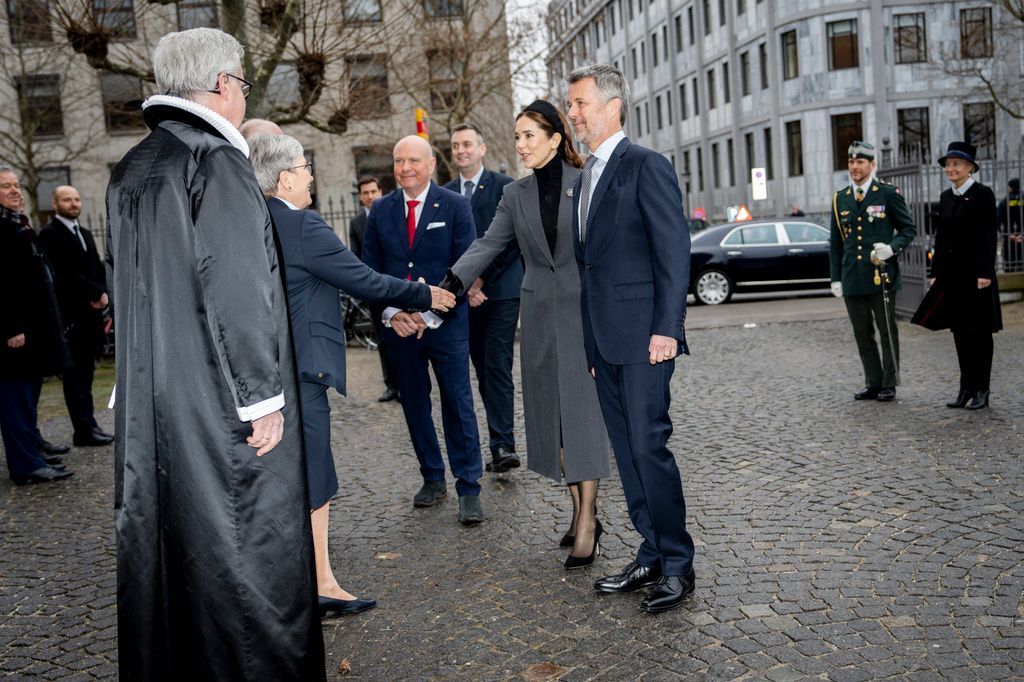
874, 188
437, 205
847, 192
480, 186
568, 192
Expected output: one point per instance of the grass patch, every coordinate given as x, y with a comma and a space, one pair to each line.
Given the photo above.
51, 400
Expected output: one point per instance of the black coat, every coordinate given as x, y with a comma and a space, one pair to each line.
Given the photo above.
29, 305
80, 279
216, 579
356, 228
965, 251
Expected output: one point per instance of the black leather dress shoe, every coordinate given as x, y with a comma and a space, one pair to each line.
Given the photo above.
92, 438
428, 495
388, 395
961, 399
471, 512
502, 460
886, 395
51, 449
979, 401
45, 474
54, 461
669, 593
341, 607
869, 393
632, 578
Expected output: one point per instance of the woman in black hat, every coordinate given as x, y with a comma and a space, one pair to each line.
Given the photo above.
966, 299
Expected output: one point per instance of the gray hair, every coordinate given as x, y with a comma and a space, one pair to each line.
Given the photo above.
269, 155
610, 83
8, 169
188, 62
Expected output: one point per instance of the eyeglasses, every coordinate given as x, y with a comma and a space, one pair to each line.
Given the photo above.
245, 85
308, 166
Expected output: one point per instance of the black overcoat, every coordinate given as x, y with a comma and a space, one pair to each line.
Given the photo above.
216, 578
965, 250
80, 280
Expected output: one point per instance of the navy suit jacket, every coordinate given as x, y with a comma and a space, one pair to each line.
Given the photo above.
317, 265
635, 261
444, 232
503, 278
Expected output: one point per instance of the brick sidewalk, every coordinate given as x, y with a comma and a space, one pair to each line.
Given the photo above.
836, 539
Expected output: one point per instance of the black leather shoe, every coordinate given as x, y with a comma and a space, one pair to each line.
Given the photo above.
470, 510
45, 474
428, 495
869, 393
886, 395
55, 462
632, 578
978, 401
502, 460
338, 607
961, 399
92, 438
51, 449
388, 395
669, 593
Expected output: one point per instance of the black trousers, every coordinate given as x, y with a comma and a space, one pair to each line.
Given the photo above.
867, 312
382, 350
492, 337
974, 353
77, 380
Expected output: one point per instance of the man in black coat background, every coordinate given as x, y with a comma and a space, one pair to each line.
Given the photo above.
82, 295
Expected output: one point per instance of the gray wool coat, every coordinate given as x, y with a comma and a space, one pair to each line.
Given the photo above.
559, 395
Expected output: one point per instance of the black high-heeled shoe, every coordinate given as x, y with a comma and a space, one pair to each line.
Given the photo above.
567, 540
573, 562
978, 401
961, 399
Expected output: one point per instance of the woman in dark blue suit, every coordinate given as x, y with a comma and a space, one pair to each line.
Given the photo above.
317, 265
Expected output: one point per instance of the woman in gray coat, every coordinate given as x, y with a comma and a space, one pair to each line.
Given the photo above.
565, 432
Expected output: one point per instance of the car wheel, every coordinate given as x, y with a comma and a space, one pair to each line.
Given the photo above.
712, 287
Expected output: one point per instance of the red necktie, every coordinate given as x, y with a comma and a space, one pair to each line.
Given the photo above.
410, 220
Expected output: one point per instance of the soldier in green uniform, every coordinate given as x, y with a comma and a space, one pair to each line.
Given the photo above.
870, 227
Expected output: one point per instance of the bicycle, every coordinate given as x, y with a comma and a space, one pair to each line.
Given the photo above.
358, 321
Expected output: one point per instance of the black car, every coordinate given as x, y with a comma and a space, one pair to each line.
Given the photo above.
760, 255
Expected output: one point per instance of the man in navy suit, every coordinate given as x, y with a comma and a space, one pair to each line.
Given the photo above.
633, 250
81, 283
493, 297
420, 230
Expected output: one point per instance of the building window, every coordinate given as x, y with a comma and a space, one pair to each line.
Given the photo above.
639, 121
915, 137
29, 21
654, 48
845, 129
730, 162
197, 14
909, 46
117, 17
762, 57
283, 87
442, 8
790, 65
707, 17
643, 57
745, 73
41, 115
362, 11
636, 67
748, 142
664, 42
721, 12
726, 96
700, 170
657, 112
682, 101
368, 87
647, 117
711, 89
716, 180
980, 128
679, 33
769, 166
686, 173
378, 162
794, 149
976, 32
689, 23
842, 44
741, 7
50, 178
444, 79
122, 102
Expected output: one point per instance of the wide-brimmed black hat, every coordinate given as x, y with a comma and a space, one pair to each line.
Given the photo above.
960, 150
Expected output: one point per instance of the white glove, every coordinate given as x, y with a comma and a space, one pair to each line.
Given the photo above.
882, 251
837, 289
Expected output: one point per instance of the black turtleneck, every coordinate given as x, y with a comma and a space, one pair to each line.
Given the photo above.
549, 184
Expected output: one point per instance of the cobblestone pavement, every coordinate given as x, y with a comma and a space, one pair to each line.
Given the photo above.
836, 539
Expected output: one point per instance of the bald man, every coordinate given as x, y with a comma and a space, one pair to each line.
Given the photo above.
81, 284
420, 230
259, 126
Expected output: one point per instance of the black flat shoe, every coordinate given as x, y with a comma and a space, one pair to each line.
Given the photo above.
961, 399
46, 474
342, 607
51, 449
574, 562
388, 395
978, 401
632, 578
669, 593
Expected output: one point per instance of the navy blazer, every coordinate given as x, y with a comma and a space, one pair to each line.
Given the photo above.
503, 278
317, 265
635, 262
444, 232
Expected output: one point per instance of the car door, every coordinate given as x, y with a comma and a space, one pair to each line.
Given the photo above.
807, 252
754, 255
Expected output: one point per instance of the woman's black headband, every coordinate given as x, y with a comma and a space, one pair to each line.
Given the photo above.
550, 113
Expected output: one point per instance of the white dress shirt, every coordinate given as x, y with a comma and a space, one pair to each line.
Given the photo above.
959, 191
475, 180
70, 224
603, 154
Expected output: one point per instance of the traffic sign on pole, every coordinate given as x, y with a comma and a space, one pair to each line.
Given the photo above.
759, 179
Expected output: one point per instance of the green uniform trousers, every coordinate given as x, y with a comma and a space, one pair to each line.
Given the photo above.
867, 312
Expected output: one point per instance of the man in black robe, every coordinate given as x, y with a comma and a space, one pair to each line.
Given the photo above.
215, 561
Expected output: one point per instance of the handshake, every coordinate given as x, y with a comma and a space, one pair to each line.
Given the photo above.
442, 299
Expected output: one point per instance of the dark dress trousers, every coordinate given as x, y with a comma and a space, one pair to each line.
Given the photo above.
965, 250
443, 233
634, 267
30, 308
356, 228
216, 578
81, 279
316, 266
492, 325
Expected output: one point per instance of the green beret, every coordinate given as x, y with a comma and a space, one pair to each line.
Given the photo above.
861, 150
